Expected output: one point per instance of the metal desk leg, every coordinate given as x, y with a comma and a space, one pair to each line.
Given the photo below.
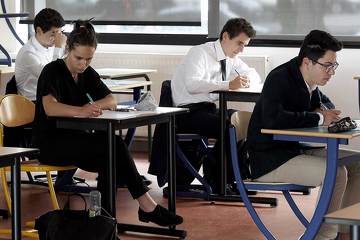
326, 193
354, 231
171, 231
172, 165
222, 106
359, 93
111, 171
15, 204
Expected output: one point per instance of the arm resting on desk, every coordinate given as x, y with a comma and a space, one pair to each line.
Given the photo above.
54, 108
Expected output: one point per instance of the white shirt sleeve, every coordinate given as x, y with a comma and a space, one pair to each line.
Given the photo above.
243, 69
321, 121
33, 64
196, 78
58, 53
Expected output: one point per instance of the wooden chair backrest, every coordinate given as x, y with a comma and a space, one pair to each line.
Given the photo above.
16, 110
240, 120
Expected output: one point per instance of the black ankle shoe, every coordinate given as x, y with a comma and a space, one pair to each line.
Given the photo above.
161, 216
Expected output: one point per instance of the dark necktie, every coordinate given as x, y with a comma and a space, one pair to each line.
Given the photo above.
223, 69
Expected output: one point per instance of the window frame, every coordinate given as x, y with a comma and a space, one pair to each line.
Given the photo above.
195, 39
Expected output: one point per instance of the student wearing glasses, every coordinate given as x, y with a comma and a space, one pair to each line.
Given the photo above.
291, 99
71, 87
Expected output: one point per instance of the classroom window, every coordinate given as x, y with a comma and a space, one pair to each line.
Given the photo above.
292, 19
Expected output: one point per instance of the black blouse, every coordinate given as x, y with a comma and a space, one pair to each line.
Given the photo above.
56, 79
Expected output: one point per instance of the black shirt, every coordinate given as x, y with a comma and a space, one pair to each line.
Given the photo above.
56, 79
284, 103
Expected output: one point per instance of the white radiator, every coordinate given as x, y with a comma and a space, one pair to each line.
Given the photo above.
165, 64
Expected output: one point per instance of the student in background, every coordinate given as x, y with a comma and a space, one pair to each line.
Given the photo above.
70, 87
291, 99
206, 68
47, 45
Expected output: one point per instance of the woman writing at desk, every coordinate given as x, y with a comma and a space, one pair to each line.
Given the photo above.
64, 88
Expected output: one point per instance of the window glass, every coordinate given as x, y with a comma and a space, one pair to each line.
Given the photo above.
296, 17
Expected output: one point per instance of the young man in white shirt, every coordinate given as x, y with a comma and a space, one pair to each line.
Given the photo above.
206, 68
47, 45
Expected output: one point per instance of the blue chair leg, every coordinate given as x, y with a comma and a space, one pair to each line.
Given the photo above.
295, 209
192, 170
241, 187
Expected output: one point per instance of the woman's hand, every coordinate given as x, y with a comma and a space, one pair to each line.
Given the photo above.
91, 110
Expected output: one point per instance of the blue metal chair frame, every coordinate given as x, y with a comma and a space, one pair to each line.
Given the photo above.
202, 190
285, 188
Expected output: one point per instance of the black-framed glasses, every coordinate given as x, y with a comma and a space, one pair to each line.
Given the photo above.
328, 67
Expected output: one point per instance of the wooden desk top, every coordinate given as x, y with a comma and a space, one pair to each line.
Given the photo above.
122, 72
117, 85
349, 215
315, 132
13, 151
7, 70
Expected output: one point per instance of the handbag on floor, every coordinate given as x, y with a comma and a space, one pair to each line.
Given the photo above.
75, 224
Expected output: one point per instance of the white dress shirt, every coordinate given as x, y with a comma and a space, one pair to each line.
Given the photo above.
200, 73
29, 63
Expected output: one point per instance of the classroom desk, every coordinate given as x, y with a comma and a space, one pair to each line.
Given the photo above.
10, 156
347, 216
118, 87
111, 121
124, 73
332, 141
129, 73
7, 70
251, 94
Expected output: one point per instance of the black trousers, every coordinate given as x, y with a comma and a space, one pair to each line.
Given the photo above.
89, 151
204, 119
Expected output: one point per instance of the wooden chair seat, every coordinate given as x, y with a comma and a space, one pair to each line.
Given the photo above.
35, 166
15, 111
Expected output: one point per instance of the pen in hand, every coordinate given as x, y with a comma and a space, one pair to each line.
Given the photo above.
243, 84
91, 101
323, 106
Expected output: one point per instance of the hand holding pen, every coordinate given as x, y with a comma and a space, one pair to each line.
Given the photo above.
244, 80
91, 109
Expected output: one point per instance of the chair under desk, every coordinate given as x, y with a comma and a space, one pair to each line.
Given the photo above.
119, 86
332, 141
111, 121
250, 94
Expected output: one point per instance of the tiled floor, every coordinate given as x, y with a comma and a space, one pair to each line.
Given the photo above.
202, 219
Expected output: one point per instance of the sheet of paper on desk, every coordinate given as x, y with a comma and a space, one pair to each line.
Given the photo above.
125, 108
115, 83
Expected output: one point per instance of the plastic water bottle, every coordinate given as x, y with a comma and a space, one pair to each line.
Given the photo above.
95, 203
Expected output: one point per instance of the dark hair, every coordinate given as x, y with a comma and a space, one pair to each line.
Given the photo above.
316, 43
235, 26
83, 34
48, 18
